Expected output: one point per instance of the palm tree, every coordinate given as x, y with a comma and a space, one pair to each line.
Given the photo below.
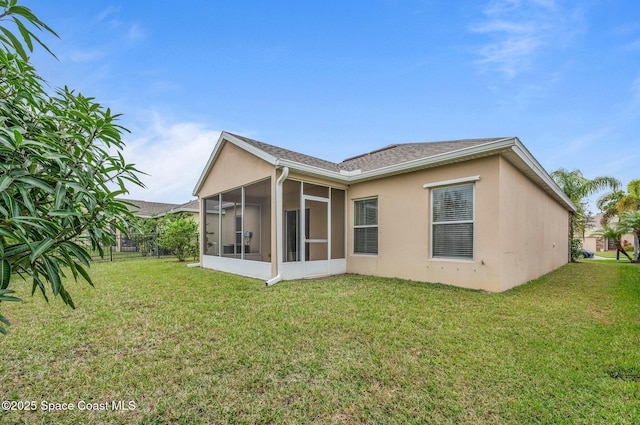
614, 233
630, 201
578, 188
608, 204
617, 203
631, 221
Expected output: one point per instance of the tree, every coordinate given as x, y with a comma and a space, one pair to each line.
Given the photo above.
617, 203
631, 200
631, 221
61, 168
608, 204
179, 235
614, 233
578, 188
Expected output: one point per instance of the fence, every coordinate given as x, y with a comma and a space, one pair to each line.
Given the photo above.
132, 246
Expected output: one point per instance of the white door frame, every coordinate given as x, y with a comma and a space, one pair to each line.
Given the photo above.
315, 267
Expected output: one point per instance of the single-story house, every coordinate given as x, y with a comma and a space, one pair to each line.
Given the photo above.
475, 213
593, 242
147, 209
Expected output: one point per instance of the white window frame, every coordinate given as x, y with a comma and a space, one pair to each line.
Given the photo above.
467, 181
366, 226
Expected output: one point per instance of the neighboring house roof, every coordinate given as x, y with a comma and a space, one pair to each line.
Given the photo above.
148, 209
191, 206
395, 159
595, 223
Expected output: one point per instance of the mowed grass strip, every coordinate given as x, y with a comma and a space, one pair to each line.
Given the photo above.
191, 346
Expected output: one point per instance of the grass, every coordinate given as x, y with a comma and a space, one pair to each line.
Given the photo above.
192, 346
612, 255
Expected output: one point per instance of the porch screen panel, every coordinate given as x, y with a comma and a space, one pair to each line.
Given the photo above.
231, 237
453, 221
291, 202
257, 221
365, 226
211, 225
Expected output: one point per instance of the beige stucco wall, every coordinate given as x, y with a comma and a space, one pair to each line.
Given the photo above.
233, 168
534, 229
404, 228
590, 243
516, 227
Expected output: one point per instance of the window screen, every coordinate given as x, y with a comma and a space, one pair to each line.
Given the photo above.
452, 221
365, 226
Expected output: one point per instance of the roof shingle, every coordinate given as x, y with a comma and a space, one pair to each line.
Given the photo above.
405, 152
283, 153
380, 158
149, 209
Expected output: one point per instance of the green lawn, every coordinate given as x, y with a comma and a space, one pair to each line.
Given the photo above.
612, 254
190, 346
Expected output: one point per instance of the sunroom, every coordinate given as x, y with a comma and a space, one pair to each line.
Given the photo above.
238, 234
237, 230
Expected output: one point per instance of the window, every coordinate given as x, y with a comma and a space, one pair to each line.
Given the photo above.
452, 218
365, 226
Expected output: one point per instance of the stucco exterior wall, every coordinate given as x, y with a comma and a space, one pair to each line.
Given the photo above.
534, 229
233, 168
520, 231
404, 228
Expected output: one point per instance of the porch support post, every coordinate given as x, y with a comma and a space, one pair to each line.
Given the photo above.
279, 233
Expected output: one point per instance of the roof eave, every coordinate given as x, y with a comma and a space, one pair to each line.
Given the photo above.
465, 154
478, 151
310, 170
522, 159
511, 148
228, 137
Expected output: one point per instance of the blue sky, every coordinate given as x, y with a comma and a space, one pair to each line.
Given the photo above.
338, 78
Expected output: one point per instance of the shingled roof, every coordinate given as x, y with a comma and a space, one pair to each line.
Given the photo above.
401, 153
283, 153
148, 209
380, 158
394, 159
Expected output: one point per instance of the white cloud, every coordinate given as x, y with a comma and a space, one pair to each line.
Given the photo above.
135, 33
633, 45
173, 154
79, 56
519, 30
128, 31
107, 13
